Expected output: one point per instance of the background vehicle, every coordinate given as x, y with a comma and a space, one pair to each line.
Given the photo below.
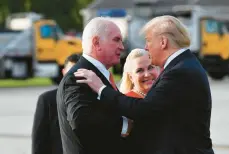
208, 27
32, 46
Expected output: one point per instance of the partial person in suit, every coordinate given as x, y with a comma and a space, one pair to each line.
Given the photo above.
86, 126
46, 132
137, 79
177, 109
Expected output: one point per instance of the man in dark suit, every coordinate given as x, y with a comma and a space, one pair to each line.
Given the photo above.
46, 132
177, 110
86, 126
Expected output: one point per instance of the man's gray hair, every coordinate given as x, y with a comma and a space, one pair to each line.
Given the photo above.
98, 26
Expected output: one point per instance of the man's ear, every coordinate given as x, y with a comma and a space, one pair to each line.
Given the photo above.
164, 42
95, 41
63, 71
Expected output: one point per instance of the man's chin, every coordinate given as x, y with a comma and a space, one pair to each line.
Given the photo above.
117, 62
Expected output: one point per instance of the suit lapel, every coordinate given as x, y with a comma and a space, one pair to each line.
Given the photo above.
186, 54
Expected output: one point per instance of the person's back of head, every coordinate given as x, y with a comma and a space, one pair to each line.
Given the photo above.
69, 62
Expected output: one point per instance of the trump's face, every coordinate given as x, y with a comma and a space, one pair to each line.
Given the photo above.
152, 46
111, 47
155, 45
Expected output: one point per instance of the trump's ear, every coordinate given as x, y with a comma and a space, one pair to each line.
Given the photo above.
164, 42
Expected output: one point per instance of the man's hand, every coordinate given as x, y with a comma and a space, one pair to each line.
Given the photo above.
90, 78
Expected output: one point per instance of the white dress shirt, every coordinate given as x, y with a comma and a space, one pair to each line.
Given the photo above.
106, 73
173, 56
98, 65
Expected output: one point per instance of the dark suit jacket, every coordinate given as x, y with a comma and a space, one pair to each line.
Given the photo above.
176, 112
86, 126
46, 132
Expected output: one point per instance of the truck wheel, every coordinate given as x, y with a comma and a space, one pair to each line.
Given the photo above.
19, 70
217, 75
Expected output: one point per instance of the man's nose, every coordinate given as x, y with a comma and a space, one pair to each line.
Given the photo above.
121, 46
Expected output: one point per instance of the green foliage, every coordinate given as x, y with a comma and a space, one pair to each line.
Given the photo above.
65, 12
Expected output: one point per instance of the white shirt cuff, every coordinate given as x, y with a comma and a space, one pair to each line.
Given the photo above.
124, 125
100, 91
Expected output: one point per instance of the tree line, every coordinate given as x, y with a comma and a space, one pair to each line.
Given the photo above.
65, 12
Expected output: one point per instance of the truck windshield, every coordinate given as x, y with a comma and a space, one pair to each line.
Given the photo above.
51, 32
225, 27
59, 31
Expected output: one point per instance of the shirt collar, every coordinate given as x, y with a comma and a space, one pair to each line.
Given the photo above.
98, 65
173, 56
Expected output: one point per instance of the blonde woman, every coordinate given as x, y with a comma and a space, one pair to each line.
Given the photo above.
138, 74
138, 77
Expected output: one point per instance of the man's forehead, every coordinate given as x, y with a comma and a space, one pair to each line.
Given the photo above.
149, 34
115, 33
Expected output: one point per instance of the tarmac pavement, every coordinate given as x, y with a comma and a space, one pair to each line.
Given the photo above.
17, 106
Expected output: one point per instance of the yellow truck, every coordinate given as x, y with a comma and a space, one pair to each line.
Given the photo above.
34, 47
209, 31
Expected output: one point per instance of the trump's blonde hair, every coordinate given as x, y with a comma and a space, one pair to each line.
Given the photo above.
126, 83
170, 27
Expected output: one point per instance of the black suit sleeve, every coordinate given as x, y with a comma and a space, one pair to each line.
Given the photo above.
40, 130
80, 102
159, 99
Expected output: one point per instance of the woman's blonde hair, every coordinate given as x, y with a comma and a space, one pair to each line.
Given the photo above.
126, 84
